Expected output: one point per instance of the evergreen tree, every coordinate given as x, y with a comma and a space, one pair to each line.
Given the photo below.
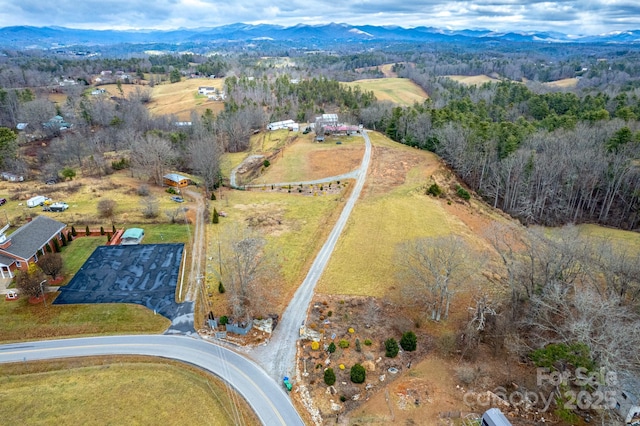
216, 218
329, 376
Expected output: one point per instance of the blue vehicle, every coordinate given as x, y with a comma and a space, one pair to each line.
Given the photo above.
287, 383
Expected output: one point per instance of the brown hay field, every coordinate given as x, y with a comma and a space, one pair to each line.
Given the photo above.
401, 91
182, 98
385, 69
295, 226
472, 79
393, 208
565, 83
304, 159
122, 390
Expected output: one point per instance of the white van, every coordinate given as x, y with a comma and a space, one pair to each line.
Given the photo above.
494, 417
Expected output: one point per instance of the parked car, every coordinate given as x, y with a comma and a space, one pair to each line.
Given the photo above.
287, 383
55, 207
3, 201
177, 199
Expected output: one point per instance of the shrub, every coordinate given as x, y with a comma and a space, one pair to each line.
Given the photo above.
329, 376
358, 347
56, 245
221, 288
332, 348
315, 346
434, 190
143, 190
358, 373
106, 208
224, 320
216, 216
344, 344
343, 398
367, 342
463, 193
102, 230
73, 231
120, 165
446, 344
213, 196
69, 237
170, 190
329, 313
266, 163
87, 231
351, 330
113, 229
341, 366
391, 348
47, 248
63, 239
409, 341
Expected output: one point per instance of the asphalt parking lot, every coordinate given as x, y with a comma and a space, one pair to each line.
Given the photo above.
145, 274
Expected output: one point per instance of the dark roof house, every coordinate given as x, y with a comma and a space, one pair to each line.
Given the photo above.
21, 247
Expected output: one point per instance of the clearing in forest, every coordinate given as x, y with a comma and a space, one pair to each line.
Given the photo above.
401, 91
182, 99
473, 79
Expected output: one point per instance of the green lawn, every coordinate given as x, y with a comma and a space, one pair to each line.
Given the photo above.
23, 321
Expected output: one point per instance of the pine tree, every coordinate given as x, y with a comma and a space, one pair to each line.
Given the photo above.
69, 236
73, 231
216, 217
87, 231
102, 230
56, 245
63, 239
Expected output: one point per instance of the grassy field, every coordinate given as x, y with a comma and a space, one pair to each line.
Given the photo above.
363, 262
473, 79
401, 91
294, 226
75, 254
178, 99
22, 321
308, 160
83, 196
123, 390
563, 84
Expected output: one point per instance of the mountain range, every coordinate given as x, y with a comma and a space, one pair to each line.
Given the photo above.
321, 35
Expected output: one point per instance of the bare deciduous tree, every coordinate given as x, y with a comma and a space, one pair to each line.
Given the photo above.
51, 264
150, 157
248, 273
432, 269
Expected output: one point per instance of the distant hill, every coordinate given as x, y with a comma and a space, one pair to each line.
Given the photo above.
21, 37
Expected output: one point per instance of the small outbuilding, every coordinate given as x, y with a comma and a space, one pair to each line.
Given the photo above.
175, 180
132, 236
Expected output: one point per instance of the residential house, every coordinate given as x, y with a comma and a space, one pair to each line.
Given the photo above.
23, 245
175, 180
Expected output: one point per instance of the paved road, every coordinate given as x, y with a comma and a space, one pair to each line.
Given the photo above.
278, 357
267, 398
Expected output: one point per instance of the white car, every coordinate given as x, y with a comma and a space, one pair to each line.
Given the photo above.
56, 207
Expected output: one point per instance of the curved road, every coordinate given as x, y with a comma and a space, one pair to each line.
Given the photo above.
266, 397
278, 357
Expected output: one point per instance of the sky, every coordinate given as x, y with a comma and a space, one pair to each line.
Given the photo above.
567, 16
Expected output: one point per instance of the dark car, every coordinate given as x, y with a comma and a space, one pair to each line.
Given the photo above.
3, 201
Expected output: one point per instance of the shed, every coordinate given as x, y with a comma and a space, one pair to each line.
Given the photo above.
175, 180
132, 236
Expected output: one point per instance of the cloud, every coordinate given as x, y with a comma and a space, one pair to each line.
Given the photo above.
570, 16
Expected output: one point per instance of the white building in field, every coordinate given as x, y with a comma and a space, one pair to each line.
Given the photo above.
286, 124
